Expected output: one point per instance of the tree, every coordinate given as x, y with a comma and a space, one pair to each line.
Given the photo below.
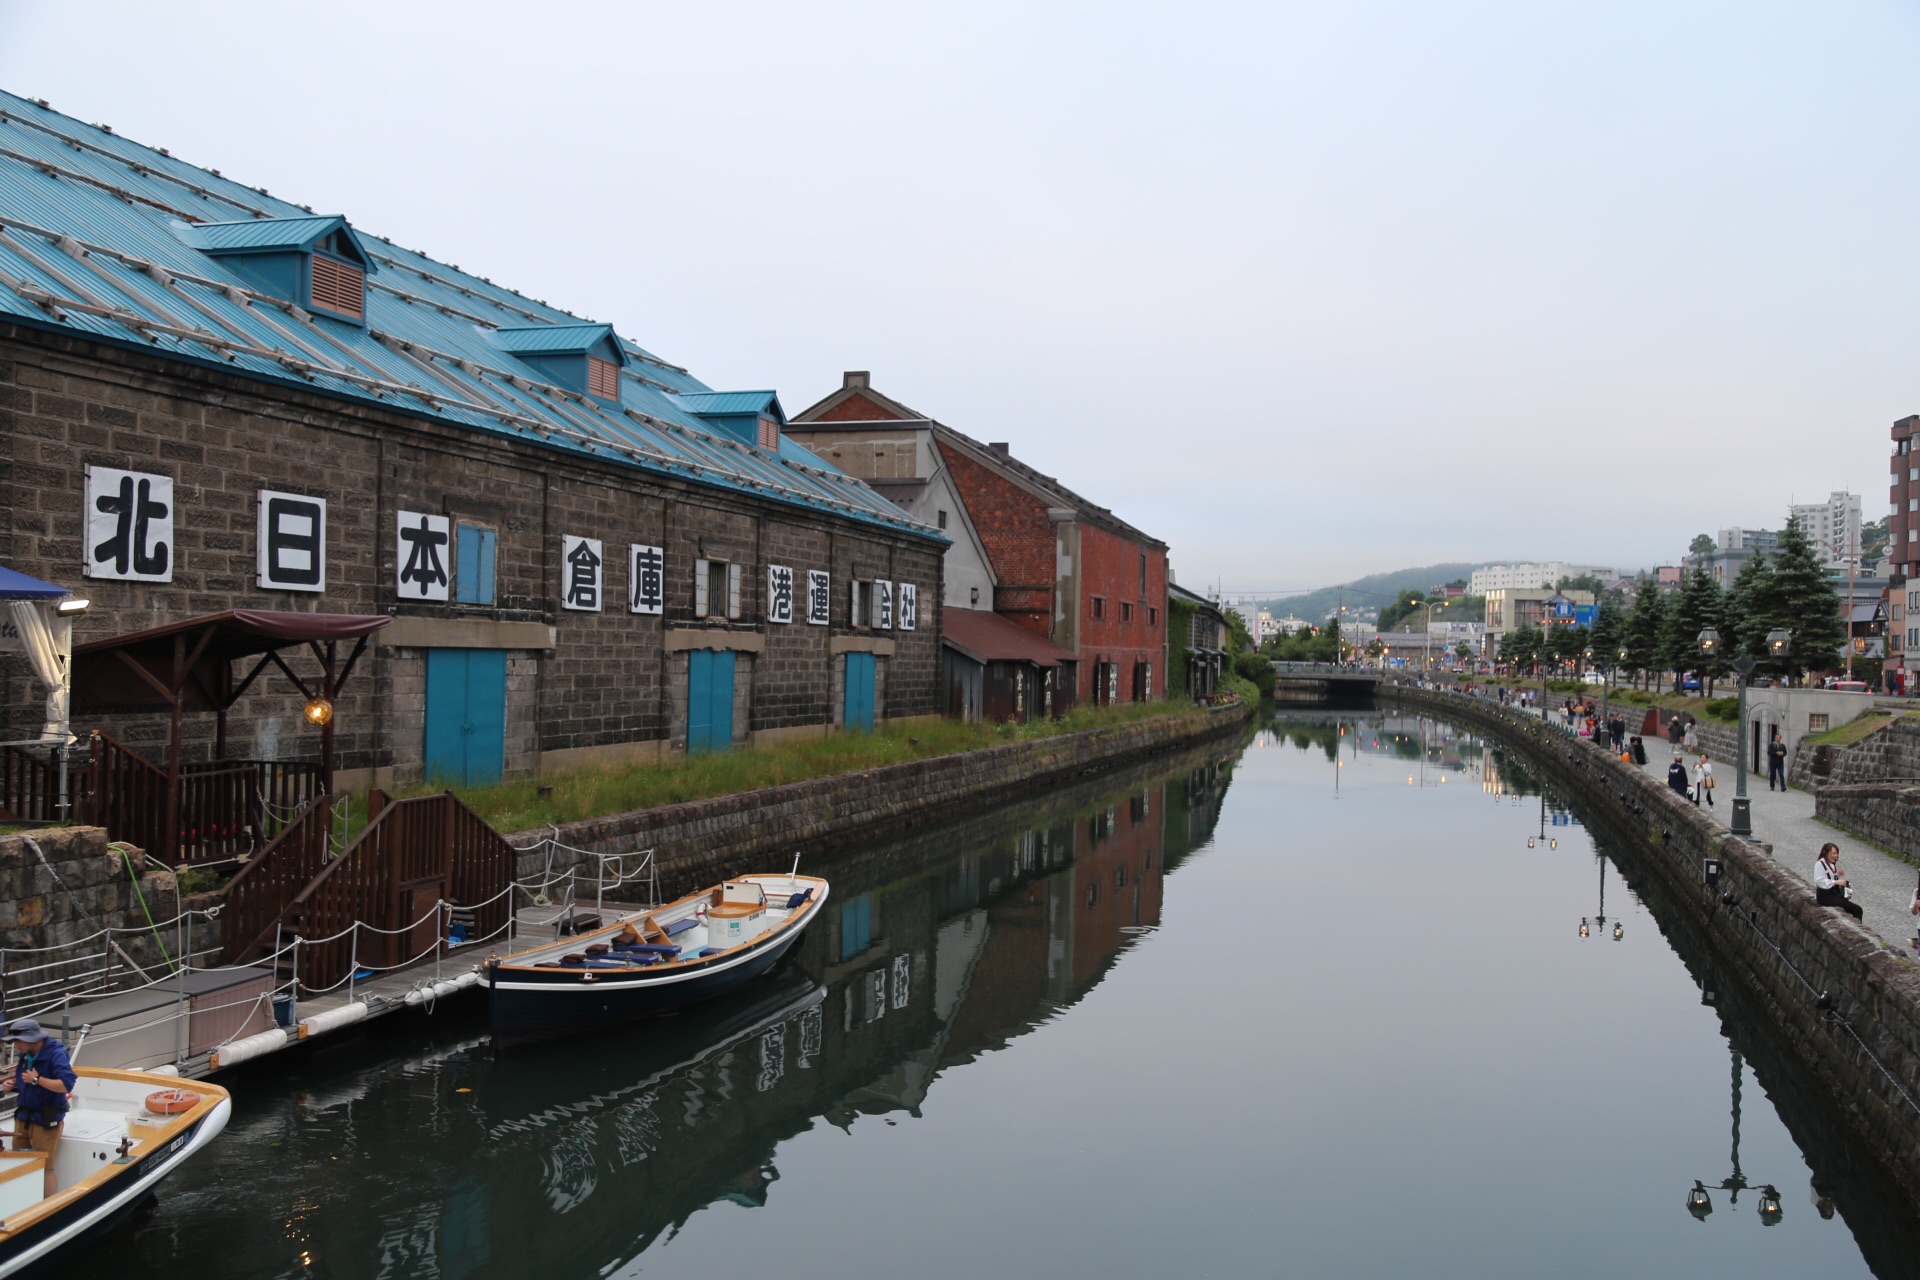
1609, 632
1800, 599
1644, 631
1463, 651
1697, 608
1409, 603
1702, 545
1743, 609
1581, 582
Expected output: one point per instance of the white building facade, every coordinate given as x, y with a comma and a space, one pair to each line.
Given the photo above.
1833, 525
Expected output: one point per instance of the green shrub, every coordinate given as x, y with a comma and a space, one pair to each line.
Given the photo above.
1726, 710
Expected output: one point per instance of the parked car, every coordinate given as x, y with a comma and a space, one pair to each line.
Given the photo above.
1691, 684
1595, 677
1851, 686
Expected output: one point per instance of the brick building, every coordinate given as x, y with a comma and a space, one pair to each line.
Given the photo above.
1055, 563
213, 399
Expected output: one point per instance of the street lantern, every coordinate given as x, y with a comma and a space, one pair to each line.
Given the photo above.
1778, 643
1709, 641
1699, 1203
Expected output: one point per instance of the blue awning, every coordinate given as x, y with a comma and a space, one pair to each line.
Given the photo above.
18, 586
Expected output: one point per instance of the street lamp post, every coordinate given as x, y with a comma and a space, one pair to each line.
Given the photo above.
1778, 642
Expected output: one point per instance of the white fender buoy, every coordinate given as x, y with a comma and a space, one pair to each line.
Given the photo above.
333, 1019
251, 1047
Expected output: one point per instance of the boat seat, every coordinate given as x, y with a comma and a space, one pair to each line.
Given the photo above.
647, 949
681, 926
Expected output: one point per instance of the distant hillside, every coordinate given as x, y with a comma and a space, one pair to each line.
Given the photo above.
1371, 591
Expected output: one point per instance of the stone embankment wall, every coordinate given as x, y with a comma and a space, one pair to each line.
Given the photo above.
82, 887
702, 841
1887, 813
1890, 755
1762, 918
1870, 788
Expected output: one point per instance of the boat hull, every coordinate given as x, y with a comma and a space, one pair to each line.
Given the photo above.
42, 1249
538, 1004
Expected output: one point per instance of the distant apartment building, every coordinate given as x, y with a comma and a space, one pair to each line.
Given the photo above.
1732, 548
1515, 609
1526, 577
1833, 526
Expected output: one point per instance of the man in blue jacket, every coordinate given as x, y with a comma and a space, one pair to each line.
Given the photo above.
43, 1081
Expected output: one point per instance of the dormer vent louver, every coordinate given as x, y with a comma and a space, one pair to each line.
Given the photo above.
339, 288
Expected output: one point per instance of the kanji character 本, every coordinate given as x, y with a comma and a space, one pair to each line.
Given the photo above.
819, 583
423, 568
646, 579
130, 525
779, 593
583, 560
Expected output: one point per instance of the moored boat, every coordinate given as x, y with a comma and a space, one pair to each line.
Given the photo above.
125, 1131
652, 962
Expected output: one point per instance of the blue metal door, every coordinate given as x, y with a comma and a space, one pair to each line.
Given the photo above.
709, 701
857, 706
466, 716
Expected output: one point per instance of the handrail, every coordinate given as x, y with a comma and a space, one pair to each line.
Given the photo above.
259, 895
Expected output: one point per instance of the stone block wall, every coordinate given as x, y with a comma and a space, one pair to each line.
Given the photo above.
1792, 953
1887, 813
594, 682
83, 886
702, 841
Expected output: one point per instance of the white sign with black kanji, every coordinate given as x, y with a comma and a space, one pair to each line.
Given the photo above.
909, 606
646, 579
819, 599
129, 525
779, 593
882, 604
292, 542
581, 570
421, 556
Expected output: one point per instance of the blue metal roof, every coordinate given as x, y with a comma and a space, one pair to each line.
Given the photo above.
89, 245
718, 402
553, 338
256, 234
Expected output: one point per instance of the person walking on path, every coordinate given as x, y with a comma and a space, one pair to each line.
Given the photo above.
1676, 730
1776, 762
1703, 781
1692, 739
1830, 882
42, 1080
1677, 778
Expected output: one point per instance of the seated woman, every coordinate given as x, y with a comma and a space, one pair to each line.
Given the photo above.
1830, 883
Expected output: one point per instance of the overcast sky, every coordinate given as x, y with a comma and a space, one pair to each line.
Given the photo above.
1308, 290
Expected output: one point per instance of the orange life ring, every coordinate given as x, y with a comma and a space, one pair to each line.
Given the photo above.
172, 1102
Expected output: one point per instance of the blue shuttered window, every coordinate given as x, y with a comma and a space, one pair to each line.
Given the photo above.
473, 568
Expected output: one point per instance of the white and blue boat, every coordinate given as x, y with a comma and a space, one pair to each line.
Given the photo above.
651, 962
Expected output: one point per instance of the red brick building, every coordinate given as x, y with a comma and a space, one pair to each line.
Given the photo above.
1057, 564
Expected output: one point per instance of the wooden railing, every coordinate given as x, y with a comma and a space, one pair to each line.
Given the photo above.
413, 855
30, 783
255, 900
129, 798
227, 809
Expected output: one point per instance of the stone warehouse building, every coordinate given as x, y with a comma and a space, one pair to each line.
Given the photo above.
213, 399
1025, 546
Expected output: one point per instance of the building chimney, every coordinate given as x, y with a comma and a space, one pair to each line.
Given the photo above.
999, 447
855, 380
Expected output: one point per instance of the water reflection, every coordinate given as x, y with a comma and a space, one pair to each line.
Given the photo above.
1161, 1023
448, 1160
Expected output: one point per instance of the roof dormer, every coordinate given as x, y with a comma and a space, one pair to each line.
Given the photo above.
314, 262
751, 417
586, 358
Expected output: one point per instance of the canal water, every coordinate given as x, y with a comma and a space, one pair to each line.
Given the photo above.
1354, 998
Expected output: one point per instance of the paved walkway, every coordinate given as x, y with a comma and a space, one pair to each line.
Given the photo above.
1883, 885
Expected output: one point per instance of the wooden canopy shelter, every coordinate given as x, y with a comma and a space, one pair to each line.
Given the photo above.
190, 666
